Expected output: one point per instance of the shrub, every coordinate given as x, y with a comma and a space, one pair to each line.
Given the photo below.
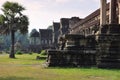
19, 53
1, 52
30, 53
39, 52
43, 52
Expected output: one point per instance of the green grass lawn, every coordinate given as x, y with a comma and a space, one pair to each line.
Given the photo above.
26, 67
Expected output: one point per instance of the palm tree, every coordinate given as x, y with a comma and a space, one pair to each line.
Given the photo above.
13, 20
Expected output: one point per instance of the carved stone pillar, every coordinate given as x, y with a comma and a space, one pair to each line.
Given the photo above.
103, 12
119, 11
113, 15
109, 41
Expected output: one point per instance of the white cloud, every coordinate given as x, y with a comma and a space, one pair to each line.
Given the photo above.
42, 13
62, 1
65, 1
3, 1
96, 0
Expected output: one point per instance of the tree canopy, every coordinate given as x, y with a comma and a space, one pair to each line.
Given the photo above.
13, 20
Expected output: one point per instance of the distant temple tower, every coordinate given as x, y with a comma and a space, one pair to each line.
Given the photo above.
45, 38
35, 41
56, 33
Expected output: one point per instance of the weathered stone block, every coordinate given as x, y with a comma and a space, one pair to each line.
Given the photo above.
109, 47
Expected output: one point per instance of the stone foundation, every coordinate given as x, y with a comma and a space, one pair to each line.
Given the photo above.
77, 53
70, 58
109, 46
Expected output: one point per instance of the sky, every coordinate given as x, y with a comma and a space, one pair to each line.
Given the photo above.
42, 13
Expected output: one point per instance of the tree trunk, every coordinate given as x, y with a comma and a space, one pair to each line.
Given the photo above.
12, 55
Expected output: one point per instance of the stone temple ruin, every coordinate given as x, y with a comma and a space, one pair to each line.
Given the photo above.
75, 52
93, 41
109, 37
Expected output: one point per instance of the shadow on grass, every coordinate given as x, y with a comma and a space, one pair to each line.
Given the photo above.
16, 78
42, 58
57, 67
84, 68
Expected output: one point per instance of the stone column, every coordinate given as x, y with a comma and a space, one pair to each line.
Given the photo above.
109, 41
103, 12
113, 16
119, 11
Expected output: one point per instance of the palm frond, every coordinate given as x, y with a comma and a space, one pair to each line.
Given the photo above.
13, 18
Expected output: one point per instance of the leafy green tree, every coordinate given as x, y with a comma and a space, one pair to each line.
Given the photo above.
13, 20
